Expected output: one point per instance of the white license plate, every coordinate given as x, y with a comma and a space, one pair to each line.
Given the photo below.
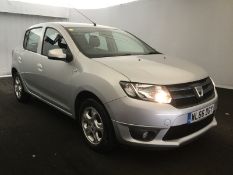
200, 114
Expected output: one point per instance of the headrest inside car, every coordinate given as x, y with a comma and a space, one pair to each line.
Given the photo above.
94, 41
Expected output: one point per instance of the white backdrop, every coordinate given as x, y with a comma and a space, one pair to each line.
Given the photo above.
15, 18
12, 31
197, 30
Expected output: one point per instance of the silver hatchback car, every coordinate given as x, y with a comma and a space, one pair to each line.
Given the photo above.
118, 87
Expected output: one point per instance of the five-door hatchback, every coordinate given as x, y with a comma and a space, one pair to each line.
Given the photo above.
118, 87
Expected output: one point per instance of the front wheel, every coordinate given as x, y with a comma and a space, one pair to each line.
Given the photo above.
96, 125
19, 91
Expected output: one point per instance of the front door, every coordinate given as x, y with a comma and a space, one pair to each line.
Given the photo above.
56, 74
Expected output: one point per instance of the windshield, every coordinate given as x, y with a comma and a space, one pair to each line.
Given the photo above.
99, 42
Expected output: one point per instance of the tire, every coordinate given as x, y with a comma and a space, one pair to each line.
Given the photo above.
21, 95
96, 126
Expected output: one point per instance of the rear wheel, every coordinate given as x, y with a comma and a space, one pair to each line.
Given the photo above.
20, 93
96, 125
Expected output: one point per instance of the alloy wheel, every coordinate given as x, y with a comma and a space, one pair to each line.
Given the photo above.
18, 87
92, 125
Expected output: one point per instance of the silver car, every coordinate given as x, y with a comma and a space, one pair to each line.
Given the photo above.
119, 88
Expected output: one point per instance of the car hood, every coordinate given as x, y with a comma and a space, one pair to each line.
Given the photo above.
155, 69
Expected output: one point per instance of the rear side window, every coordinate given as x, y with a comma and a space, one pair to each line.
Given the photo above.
32, 39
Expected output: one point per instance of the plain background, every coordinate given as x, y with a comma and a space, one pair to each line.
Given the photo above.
196, 30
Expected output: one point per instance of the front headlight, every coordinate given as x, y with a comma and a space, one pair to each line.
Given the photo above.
146, 92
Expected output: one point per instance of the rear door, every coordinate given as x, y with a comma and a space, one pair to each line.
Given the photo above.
29, 57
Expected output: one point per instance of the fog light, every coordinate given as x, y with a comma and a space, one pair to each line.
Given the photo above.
143, 134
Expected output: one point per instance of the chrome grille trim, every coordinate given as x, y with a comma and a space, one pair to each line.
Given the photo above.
183, 95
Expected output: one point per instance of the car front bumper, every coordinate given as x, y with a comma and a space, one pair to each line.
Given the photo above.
127, 113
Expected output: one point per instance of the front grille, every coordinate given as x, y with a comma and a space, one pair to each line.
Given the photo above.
176, 132
183, 95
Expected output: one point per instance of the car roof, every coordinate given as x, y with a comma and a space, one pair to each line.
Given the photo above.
71, 24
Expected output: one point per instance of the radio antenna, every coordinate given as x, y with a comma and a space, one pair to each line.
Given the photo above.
94, 23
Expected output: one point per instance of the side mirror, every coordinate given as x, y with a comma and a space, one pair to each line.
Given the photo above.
58, 54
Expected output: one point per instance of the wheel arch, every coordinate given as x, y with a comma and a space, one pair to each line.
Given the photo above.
85, 94
81, 96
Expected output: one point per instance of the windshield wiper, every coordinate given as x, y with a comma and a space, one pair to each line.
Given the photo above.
152, 53
110, 55
126, 54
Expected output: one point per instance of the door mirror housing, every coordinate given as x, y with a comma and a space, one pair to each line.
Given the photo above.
58, 54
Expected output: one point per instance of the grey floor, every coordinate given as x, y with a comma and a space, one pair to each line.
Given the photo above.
36, 139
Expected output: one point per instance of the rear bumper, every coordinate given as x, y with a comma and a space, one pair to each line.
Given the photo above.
127, 113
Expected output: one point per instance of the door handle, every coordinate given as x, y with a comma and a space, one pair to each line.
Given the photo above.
39, 67
19, 59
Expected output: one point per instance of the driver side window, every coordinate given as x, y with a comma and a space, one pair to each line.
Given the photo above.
53, 40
